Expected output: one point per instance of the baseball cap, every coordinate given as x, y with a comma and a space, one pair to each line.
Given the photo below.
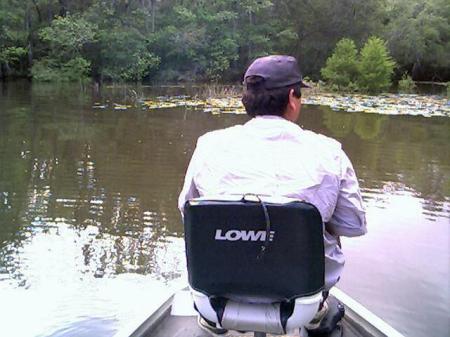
277, 70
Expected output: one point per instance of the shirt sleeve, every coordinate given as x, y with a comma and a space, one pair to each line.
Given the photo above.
349, 217
189, 190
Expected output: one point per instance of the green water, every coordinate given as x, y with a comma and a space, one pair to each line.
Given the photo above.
88, 199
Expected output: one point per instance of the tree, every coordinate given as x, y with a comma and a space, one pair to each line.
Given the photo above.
123, 50
13, 38
375, 66
125, 55
418, 35
201, 46
320, 24
180, 40
253, 17
341, 67
65, 39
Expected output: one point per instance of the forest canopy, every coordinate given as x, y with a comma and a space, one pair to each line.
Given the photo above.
212, 40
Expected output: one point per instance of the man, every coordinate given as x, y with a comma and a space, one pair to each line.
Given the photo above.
271, 155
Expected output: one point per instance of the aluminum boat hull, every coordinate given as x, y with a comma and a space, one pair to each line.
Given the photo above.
176, 318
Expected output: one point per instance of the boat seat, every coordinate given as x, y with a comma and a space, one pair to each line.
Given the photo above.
255, 265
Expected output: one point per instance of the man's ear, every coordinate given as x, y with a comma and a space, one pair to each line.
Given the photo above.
292, 108
291, 102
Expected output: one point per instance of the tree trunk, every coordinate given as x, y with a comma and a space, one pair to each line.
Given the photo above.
153, 9
49, 14
416, 72
62, 8
38, 11
28, 30
7, 69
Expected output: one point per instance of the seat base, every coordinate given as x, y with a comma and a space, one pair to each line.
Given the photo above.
265, 317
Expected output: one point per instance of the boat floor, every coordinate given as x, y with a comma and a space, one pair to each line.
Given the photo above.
176, 317
186, 326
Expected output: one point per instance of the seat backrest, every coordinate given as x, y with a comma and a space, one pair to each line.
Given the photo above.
224, 248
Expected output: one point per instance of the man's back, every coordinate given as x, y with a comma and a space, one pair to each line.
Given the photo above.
272, 156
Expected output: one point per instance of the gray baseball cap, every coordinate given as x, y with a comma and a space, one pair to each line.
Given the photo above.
277, 70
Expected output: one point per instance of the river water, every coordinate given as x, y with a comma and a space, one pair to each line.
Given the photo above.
90, 235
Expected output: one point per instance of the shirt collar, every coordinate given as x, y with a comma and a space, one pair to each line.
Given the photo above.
273, 128
272, 121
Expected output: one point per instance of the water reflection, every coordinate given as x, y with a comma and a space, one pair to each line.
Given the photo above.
398, 264
396, 152
86, 195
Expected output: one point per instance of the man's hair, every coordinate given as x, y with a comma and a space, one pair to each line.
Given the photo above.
259, 101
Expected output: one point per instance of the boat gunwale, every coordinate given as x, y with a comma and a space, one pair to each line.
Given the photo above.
153, 321
357, 316
362, 319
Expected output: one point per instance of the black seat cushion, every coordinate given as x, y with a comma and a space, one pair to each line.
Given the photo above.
223, 248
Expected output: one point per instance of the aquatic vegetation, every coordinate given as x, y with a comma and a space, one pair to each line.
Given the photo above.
225, 105
386, 104
99, 106
162, 102
406, 84
212, 105
121, 106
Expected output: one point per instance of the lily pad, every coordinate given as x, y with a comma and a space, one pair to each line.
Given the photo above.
389, 104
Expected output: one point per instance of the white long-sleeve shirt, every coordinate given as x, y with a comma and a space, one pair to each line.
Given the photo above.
271, 156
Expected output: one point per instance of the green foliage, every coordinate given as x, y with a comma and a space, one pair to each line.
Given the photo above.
202, 46
13, 37
49, 70
375, 66
177, 40
66, 38
406, 84
45, 70
418, 35
221, 57
76, 69
320, 24
12, 54
125, 55
370, 71
341, 67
